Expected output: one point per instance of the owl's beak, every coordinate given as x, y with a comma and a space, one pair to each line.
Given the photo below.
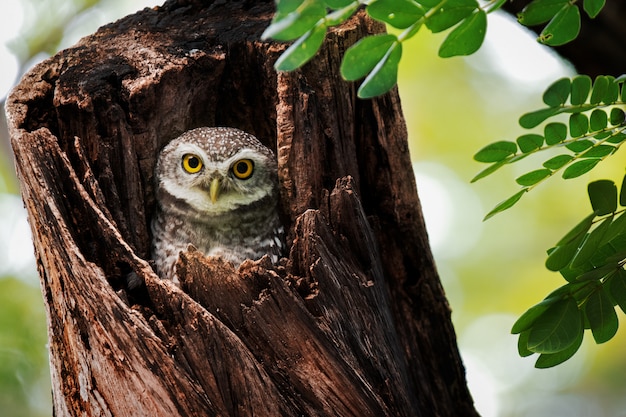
214, 189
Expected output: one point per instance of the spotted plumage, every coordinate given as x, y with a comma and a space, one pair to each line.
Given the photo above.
217, 190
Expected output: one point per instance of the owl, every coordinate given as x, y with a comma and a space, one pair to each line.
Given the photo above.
217, 189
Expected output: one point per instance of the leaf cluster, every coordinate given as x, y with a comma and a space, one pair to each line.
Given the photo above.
375, 58
562, 18
595, 129
591, 258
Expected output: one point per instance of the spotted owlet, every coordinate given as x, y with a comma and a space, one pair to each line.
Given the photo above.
217, 190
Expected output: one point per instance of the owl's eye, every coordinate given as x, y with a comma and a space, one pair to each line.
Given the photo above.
243, 169
192, 163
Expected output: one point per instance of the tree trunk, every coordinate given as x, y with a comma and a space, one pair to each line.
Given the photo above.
353, 323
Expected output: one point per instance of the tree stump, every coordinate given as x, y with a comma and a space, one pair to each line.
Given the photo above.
353, 323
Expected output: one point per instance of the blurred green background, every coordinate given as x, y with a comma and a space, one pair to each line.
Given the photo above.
492, 271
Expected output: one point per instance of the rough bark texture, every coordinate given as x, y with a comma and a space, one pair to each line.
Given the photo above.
599, 49
353, 323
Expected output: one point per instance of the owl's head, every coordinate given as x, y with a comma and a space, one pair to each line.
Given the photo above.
217, 169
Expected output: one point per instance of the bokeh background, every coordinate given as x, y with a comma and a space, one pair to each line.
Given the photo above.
492, 271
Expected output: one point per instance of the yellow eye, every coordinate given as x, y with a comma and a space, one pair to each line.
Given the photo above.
243, 169
192, 163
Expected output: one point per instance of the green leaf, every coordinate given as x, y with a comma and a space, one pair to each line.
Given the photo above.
556, 94
540, 11
617, 116
612, 92
599, 151
296, 23
301, 50
563, 28
591, 243
535, 118
451, 13
495, 152
533, 177
506, 204
557, 328
579, 168
384, 75
285, 7
593, 7
617, 138
598, 120
600, 88
339, 16
429, 3
622, 193
616, 286
578, 125
581, 86
601, 316
398, 13
603, 196
522, 345
579, 145
596, 274
467, 37
363, 56
489, 170
527, 319
548, 360
562, 255
618, 227
338, 4
555, 133
557, 162
578, 231
530, 142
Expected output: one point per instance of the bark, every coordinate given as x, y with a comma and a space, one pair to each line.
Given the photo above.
353, 323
